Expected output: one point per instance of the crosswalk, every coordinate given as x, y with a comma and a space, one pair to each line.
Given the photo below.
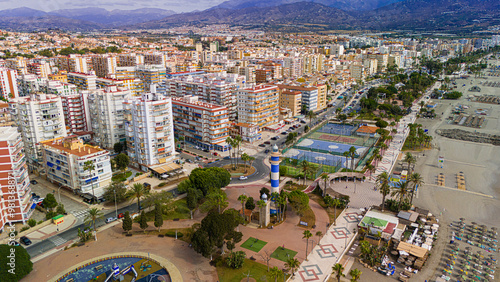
80, 214
353, 248
57, 240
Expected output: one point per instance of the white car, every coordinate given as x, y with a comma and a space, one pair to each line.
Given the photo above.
243, 177
110, 219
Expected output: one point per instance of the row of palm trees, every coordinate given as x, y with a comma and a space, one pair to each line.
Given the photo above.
417, 136
403, 190
234, 144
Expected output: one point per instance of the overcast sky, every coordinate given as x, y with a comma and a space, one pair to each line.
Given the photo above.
50, 5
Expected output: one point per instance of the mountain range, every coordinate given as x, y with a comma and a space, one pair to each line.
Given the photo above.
284, 15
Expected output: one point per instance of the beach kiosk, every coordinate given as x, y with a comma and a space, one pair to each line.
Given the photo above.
58, 219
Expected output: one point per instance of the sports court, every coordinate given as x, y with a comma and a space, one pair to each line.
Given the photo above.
315, 157
328, 147
338, 129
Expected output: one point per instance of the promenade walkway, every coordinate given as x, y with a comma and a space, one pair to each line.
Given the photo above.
331, 248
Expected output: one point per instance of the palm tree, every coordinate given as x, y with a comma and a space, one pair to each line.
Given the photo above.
338, 268
400, 191
230, 142
355, 274
383, 185
324, 177
237, 139
346, 155
245, 158
352, 154
275, 273
383, 147
371, 169
378, 158
319, 234
417, 180
292, 264
93, 215
310, 115
243, 199
89, 166
307, 234
409, 159
138, 191
305, 167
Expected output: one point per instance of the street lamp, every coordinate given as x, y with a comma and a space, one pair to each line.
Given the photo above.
116, 208
59, 192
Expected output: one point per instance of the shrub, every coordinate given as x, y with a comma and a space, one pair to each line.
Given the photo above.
162, 184
50, 214
31, 222
138, 174
172, 234
40, 222
25, 228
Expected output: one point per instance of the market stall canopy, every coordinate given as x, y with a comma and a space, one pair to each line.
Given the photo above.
412, 249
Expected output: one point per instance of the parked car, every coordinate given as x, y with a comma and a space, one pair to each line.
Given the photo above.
34, 182
215, 154
25, 240
13, 243
284, 132
262, 145
110, 219
243, 177
121, 215
303, 121
267, 142
273, 138
227, 157
266, 151
206, 150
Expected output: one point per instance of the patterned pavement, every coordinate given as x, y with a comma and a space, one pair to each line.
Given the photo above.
330, 249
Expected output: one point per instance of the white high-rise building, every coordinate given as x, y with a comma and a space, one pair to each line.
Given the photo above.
149, 130
39, 117
8, 83
106, 112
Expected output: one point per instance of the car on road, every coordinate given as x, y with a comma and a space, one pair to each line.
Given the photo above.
273, 138
303, 121
13, 243
215, 154
227, 157
121, 215
262, 145
267, 142
243, 177
34, 182
267, 151
25, 240
206, 150
110, 219
284, 132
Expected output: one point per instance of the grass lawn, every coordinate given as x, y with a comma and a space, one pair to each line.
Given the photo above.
281, 254
181, 211
308, 217
257, 271
330, 211
253, 244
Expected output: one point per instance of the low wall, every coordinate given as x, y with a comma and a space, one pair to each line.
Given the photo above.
26, 232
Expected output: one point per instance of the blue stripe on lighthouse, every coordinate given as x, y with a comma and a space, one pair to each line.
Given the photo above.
275, 183
275, 168
275, 158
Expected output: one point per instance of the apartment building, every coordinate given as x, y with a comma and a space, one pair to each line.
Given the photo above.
312, 63
291, 100
104, 65
39, 117
74, 113
292, 67
73, 63
20, 64
150, 74
149, 130
130, 60
322, 95
382, 60
8, 83
41, 69
204, 124
64, 160
309, 97
5, 116
62, 76
358, 71
258, 105
15, 191
215, 88
106, 111
156, 59
135, 85
82, 81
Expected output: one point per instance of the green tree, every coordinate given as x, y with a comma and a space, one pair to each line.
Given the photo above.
122, 161
291, 264
90, 167
137, 192
143, 221
164, 198
93, 215
383, 186
325, 178
245, 158
46, 53
352, 154
60, 209
118, 188
127, 222
118, 147
299, 201
158, 216
16, 264
307, 234
305, 167
49, 202
381, 123
192, 199
242, 198
319, 234
417, 180
215, 200
250, 204
235, 259
310, 115
400, 191
31, 222
275, 272
355, 274
338, 269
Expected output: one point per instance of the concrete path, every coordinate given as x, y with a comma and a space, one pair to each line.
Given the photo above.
331, 248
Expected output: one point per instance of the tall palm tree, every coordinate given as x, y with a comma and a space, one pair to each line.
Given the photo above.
237, 139
89, 166
292, 264
338, 268
310, 115
371, 169
416, 179
378, 158
275, 273
93, 215
305, 167
409, 159
319, 234
355, 274
243, 199
383, 185
245, 157
230, 142
346, 155
400, 191
307, 234
324, 177
383, 147
352, 154
138, 191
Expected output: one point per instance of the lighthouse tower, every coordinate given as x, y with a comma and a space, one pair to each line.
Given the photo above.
275, 170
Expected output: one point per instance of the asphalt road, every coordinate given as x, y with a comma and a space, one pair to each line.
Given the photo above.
71, 234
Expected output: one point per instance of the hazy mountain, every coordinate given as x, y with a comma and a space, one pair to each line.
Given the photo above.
301, 12
346, 5
114, 17
44, 23
22, 12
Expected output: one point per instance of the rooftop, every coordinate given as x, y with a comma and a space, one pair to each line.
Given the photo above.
72, 145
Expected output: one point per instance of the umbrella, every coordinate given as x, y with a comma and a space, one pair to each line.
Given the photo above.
462, 219
473, 223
